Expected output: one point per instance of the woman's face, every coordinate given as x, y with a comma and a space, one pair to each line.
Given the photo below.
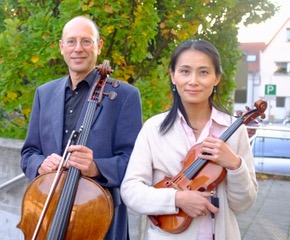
194, 77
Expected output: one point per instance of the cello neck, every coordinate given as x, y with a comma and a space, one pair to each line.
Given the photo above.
62, 214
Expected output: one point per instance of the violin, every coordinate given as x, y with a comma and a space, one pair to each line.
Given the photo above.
199, 174
65, 204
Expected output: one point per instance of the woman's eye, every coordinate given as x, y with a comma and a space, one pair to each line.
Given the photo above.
204, 72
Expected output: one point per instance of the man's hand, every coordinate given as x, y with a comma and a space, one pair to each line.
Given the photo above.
82, 158
51, 163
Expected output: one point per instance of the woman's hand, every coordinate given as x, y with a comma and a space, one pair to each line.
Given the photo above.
195, 203
220, 153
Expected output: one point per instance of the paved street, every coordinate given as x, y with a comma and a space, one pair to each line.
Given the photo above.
268, 219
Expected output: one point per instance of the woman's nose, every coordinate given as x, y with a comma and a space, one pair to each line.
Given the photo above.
193, 79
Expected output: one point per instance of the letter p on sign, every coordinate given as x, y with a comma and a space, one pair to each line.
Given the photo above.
270, 89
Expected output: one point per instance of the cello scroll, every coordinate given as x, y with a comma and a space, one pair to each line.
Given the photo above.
59, 205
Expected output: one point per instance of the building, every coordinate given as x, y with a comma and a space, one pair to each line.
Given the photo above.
268, 75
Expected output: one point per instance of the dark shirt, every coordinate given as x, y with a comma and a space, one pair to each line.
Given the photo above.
74, 102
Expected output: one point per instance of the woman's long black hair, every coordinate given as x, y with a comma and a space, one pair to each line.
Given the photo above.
210, 50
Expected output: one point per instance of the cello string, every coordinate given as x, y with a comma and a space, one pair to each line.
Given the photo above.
54, 184
60, 220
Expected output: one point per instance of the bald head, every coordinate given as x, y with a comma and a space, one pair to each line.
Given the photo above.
80, 46
81, 20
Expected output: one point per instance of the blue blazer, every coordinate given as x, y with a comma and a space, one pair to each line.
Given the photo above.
112, 136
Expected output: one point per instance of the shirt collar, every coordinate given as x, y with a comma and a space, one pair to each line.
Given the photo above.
220, 118
216, 116
183, 122
90, 78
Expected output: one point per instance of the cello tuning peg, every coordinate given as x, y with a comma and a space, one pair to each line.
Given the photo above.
115, 83
111, 95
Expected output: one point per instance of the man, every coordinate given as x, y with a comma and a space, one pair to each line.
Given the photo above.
59, 107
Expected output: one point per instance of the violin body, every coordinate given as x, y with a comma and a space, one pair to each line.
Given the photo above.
199, 174
90, 217
206, 179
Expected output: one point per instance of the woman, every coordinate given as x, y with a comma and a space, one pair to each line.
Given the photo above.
165, 139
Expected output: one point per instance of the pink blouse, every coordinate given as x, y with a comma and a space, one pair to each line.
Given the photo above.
206, 228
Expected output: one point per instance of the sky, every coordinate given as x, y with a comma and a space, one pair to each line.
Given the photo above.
263, 32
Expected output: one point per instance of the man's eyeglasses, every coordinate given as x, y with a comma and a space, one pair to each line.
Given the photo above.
72, 43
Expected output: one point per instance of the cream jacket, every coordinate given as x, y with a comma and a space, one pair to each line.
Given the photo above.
157, 156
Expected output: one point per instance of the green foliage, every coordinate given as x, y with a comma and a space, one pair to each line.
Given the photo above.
155, 90
139, 38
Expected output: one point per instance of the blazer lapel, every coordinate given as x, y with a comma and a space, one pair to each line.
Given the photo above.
58, 112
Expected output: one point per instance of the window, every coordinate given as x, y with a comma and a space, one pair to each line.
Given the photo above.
251, 58
288, 34
240, 96
282, 67
280, 102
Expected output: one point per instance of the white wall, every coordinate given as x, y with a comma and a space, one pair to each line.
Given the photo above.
277, 50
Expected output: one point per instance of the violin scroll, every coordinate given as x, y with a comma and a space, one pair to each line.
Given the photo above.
200, 174
252, 114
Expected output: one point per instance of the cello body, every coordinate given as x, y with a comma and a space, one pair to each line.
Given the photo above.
91, 213
64, 204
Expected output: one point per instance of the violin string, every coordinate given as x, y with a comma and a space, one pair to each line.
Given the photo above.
229, 132
194, 167
197, 165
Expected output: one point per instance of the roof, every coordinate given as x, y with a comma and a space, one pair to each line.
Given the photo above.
282, 26
253, 48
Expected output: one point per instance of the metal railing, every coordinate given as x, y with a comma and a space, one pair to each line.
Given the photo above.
271, 127
12, 181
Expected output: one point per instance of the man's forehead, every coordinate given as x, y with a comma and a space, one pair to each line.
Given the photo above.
76, 28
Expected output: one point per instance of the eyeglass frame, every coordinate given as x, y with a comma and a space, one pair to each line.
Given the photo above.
74, 44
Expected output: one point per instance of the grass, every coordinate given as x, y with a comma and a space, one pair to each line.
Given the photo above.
263, 176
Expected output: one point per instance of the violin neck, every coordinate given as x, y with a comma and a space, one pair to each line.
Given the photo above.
229, 132
199, 163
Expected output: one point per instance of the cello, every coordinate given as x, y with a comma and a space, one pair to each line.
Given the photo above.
65, 204
199, 174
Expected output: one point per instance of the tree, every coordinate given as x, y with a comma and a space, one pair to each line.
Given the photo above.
139, 37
